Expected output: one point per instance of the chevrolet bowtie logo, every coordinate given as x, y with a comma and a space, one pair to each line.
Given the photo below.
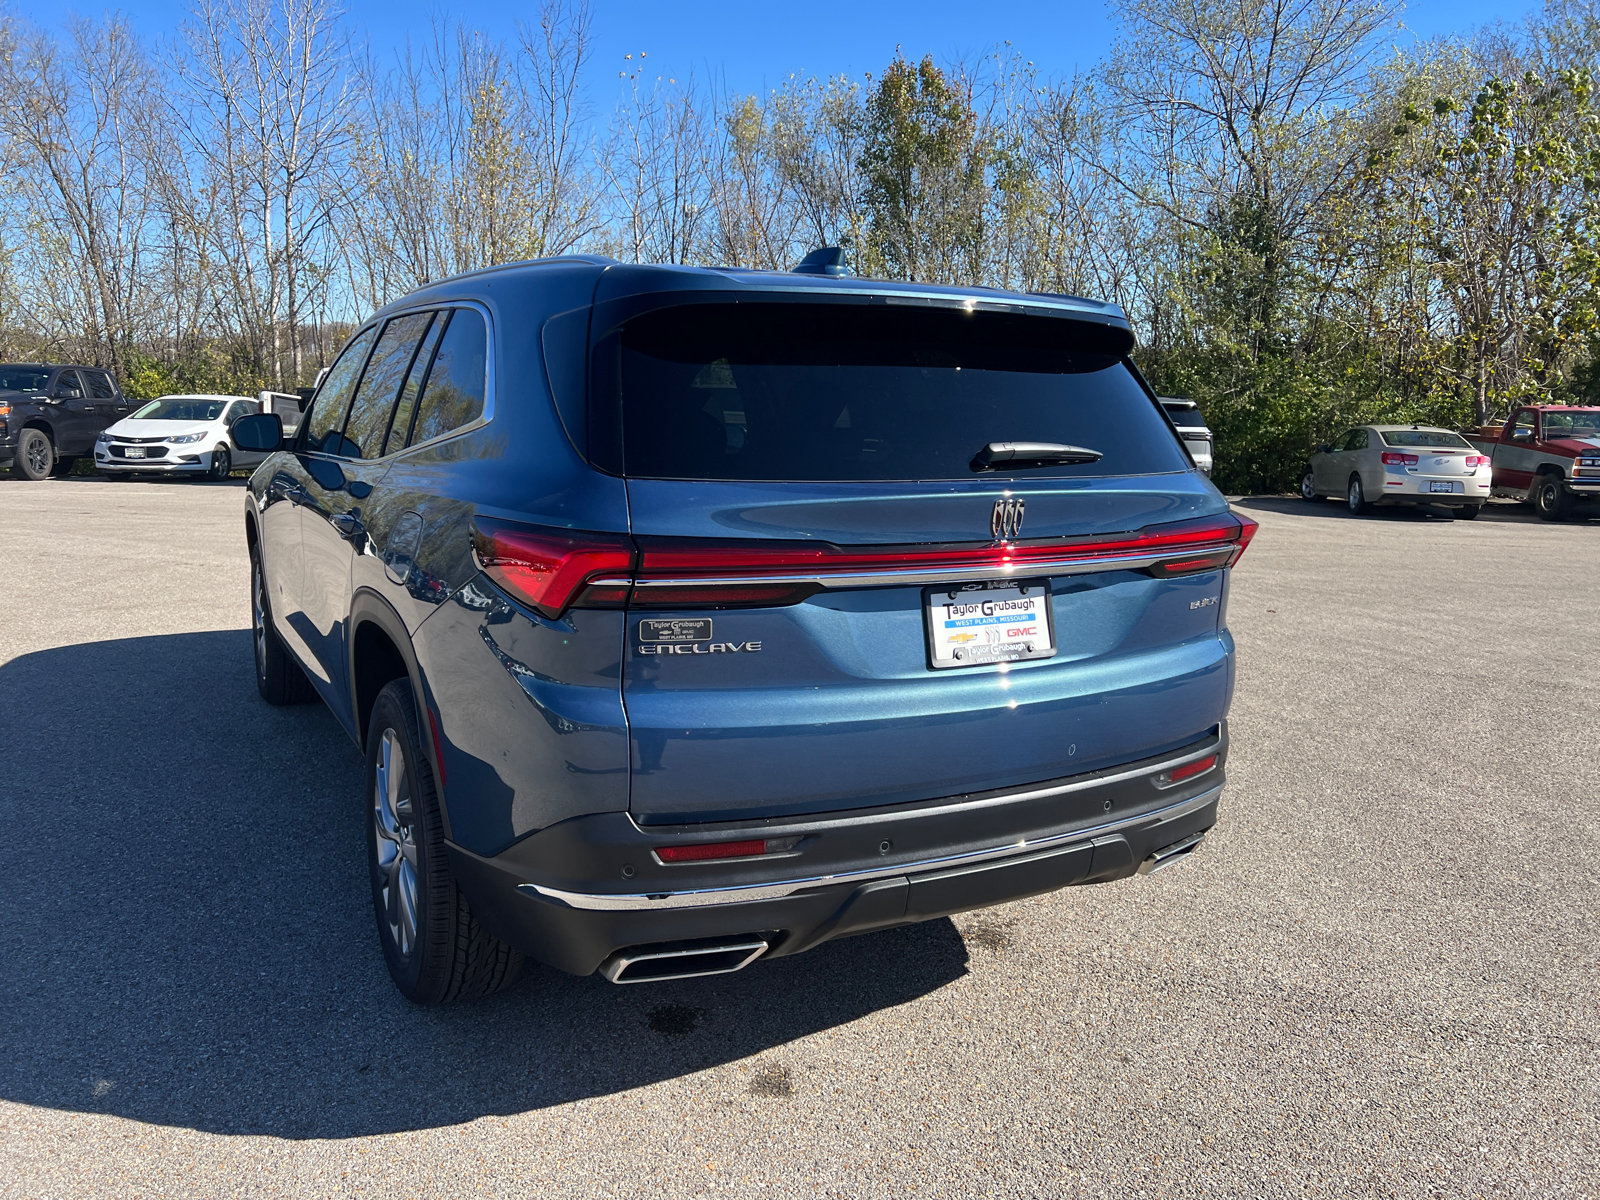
1005, 523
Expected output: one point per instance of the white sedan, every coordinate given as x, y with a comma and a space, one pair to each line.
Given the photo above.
1373, 465
177, 435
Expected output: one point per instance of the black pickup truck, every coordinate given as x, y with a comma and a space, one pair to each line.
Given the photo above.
50, 415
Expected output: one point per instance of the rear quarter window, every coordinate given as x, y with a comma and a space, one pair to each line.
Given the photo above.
840, 393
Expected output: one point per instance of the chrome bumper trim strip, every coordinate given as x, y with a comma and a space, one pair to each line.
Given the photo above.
702, 897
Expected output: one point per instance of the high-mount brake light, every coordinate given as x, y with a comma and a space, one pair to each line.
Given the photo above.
1400, 460
551, 569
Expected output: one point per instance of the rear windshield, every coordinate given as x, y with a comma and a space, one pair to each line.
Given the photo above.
843, 393
1185, 417
1424, 437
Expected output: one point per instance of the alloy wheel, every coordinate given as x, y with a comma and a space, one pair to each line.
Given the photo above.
38, 451
258, 618
395, 831
1308, 486
221, 463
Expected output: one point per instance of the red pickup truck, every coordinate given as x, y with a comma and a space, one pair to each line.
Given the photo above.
1548, 455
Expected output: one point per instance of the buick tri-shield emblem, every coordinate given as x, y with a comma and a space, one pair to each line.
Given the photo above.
1005, 523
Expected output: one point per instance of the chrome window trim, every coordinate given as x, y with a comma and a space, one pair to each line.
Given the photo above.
744, 893
489, 380
922, 575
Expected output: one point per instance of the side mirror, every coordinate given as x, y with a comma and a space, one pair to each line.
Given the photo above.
1521, 435
68, 393
258, 433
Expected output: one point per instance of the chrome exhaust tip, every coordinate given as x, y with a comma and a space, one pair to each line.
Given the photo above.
1171, 856
654, 964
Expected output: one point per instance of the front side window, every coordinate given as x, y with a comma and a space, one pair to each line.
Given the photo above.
1527, 424
67, 385
323, 428
365, 431
453, 395
842, 393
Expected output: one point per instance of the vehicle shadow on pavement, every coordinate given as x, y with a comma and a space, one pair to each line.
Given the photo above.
187, 935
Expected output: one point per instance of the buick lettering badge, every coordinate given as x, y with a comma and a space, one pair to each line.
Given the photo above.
1006, 520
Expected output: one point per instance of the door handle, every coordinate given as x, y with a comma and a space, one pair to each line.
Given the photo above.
285, 488
348, 525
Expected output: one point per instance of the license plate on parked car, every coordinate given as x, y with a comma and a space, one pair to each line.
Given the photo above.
1003, 620
1441, 485
133, 452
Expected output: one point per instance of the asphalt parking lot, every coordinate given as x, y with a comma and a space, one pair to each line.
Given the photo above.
1379, 977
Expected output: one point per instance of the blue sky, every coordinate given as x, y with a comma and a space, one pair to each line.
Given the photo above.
754, 45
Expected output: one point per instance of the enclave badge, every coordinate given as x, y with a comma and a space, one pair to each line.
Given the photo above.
1005, 523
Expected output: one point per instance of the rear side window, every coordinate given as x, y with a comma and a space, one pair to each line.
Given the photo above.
99, 385
840, 393
333, 397
453, 394
365, 431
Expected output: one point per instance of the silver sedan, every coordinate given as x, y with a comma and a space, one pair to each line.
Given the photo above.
1373, 465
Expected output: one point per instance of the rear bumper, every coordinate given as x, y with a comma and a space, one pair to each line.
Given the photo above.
575, 894
1410, 489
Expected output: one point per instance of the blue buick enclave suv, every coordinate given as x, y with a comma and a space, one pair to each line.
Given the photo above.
689, 617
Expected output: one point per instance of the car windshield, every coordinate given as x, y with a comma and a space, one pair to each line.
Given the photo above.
181, 408
1429, 438
22, 379
835, 393
1580, 423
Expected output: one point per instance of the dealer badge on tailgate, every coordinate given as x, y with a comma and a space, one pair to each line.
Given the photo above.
1002, 620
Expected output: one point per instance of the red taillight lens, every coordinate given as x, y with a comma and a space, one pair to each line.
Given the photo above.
548, 568
1399, 460
1477, 460
710, 851
1188, 771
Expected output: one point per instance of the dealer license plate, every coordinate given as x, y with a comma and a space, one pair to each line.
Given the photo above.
133, 452
1441, 485
1003, 620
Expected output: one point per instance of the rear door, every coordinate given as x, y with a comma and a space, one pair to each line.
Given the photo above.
767, 446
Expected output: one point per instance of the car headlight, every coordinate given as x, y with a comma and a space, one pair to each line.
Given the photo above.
187, 438
103, 440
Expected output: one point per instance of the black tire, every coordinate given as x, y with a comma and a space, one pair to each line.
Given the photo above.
1551, 500
35, 456
1308, 486
1467, 512
1356, 498
435, 948
279, 678
221, 464
64, 466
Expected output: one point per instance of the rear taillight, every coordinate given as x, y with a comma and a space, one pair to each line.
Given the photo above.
1477, 460
721, 851
1188, 771
551, 568
554, 569
1399, 460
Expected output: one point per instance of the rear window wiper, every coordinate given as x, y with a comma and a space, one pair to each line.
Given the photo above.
1031, 454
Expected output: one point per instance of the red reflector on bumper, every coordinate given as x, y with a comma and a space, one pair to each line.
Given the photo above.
1188, 771
710, 850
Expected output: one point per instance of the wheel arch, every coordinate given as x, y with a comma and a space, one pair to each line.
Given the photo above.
1549, 468
42, 426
